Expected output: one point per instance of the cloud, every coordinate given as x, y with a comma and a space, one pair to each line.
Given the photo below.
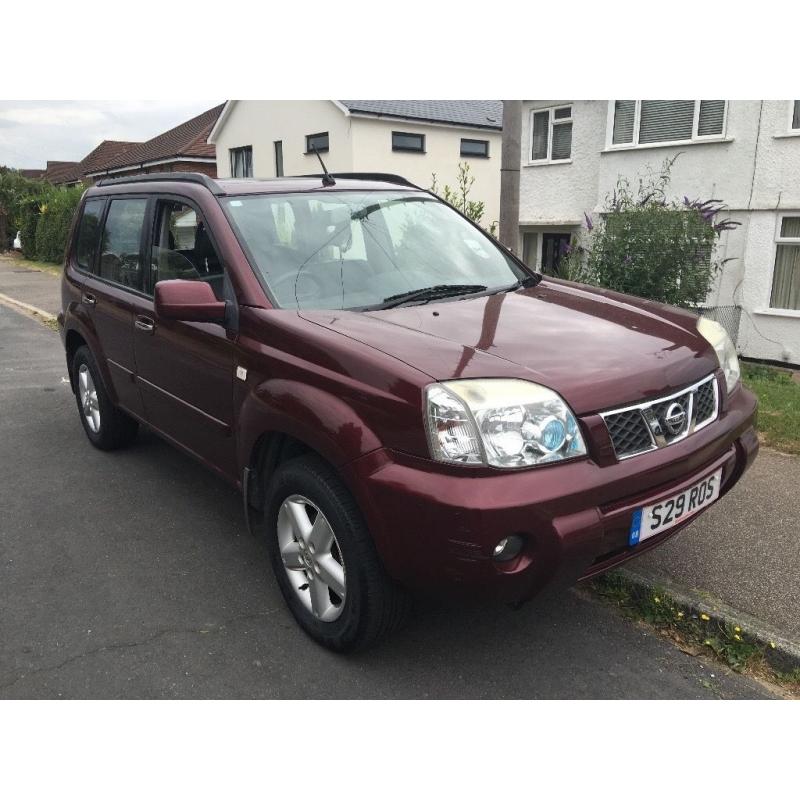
44, 115
33, 132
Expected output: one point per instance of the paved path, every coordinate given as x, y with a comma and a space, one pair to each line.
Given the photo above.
35, 287
745, 550
130, 574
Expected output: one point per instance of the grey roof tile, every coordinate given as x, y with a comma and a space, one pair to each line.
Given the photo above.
472, 113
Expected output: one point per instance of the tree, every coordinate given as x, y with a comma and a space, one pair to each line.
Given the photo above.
649, 245
459, 197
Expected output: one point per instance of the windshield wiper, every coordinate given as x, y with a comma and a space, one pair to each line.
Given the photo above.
431, 293
522, 283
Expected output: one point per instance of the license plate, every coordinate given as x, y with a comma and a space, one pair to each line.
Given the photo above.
666, 514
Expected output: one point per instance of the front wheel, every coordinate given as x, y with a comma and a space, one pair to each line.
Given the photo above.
324, 559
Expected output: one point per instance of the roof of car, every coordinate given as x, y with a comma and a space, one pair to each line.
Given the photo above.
239, 186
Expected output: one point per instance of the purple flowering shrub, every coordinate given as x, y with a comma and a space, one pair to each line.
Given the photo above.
648, 245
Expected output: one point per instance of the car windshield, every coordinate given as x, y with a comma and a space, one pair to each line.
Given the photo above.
356, 250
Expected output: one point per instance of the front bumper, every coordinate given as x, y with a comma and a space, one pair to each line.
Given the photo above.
436, 528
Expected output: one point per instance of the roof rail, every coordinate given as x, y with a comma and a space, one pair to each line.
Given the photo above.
385, 177
163, 177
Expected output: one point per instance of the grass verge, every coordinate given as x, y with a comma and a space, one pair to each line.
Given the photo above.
41, 266
697, 632
778, 406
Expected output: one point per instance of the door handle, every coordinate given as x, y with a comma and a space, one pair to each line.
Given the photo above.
89, 299
145, 324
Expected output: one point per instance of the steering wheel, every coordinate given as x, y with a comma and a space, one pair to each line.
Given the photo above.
308, 286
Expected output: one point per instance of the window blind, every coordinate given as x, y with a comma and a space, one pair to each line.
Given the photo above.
624, 117
712, 117
562, 141
666, 120
786, 278
790, 228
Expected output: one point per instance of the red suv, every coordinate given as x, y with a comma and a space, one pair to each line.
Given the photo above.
403, 404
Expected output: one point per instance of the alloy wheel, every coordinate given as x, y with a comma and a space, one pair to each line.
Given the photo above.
311, 557
88, 397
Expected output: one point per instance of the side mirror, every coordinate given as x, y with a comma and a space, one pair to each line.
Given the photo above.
188, 301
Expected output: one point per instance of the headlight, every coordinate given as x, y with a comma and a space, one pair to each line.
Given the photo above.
503, 423
718, 338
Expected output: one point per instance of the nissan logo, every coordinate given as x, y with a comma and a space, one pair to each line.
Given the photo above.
675, 418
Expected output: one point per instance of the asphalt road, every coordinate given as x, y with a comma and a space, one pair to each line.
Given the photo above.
130, 575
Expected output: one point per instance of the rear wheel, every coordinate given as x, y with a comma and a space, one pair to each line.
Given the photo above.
324, 560
106, 427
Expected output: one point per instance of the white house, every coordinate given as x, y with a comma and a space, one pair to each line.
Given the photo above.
746, 153
412, 138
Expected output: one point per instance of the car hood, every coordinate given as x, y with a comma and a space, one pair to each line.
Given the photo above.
597, 349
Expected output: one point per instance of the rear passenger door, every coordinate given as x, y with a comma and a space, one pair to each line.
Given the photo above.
113, 286
185, 369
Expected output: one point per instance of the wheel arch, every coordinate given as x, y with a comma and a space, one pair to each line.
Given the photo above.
285, 419
72, 342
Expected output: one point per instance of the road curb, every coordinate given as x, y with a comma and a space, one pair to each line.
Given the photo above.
781, 653
27, 307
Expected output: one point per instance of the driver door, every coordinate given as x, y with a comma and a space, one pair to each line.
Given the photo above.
185, 370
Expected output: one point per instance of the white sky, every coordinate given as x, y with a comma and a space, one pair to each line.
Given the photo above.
33, 131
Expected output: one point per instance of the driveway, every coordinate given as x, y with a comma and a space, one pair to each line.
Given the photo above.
130, 574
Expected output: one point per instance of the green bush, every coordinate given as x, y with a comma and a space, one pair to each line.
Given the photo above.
41, 212
28, 217
16, 194
55, 218
648, 245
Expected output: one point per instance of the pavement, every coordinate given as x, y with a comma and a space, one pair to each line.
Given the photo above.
745, 550
34, 287
130, 574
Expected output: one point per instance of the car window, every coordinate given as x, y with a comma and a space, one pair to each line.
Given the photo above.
182, 247
89, 234
120, 250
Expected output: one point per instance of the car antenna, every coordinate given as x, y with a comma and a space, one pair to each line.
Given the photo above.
327, 178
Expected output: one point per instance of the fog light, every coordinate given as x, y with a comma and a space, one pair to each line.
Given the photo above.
508, 548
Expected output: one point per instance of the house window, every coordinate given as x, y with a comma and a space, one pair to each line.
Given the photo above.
408, 142
796, 115
551, 134
475, 148
786, 275
278, 159
318, 142
241, 162
640, 122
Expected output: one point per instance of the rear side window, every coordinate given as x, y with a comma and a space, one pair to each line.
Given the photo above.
120, 251
89, 234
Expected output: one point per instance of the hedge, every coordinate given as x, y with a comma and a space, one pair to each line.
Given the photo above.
53, 223
41, 212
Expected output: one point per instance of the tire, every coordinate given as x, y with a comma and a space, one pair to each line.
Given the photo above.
107, 427
373, 606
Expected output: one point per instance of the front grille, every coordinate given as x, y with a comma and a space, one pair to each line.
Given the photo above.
705, 402
629, 433
661, 422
